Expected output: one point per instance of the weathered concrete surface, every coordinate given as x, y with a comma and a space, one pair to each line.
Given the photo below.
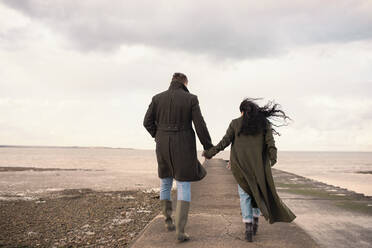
215, 220
333, 216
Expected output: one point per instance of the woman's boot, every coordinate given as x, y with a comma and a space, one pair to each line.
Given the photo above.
249, 232
166, 207
182, 212
255, 225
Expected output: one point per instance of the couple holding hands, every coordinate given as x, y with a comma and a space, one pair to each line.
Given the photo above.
169, 120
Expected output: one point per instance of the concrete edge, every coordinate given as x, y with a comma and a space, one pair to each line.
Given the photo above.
131, 244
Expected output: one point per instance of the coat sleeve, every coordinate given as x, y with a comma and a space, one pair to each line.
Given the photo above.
225, 142
149, 121
270, 143
200, 126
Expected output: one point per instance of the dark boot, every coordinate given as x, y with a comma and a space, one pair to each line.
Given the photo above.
166, 208
255, 225
182, 212
249, 232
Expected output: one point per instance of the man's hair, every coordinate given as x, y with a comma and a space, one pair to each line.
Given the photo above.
180, 77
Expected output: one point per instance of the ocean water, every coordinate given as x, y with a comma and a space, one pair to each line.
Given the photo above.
119, 169
95, 168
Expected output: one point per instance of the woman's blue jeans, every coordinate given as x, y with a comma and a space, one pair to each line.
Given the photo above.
183, 189
246, 206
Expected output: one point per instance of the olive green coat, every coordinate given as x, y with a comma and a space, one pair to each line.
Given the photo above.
250, 158
169, 120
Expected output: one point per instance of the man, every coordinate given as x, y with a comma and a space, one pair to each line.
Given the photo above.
169, 120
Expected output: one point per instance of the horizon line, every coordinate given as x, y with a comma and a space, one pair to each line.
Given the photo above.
130, 148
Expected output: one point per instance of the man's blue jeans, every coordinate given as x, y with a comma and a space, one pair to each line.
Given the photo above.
183, 189
245, 204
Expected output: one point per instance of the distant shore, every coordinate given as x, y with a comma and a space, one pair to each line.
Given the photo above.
130, 148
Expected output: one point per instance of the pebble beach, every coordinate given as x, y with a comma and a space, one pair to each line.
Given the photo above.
76, 218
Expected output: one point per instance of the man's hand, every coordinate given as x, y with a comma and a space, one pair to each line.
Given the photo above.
206, 155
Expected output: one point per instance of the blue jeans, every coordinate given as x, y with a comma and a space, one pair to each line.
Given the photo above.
183, 189
245, 204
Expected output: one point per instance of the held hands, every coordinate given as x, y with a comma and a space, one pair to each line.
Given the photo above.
207, 154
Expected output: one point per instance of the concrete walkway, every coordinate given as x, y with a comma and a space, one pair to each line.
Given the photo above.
215, 219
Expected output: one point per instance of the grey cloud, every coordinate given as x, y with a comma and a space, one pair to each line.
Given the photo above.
229, 29
13, 38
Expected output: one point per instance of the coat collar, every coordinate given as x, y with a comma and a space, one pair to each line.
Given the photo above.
178, 85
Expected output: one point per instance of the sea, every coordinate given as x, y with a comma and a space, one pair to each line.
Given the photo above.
41, 169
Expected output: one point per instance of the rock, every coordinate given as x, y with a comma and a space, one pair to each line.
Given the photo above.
85, 226
120, 221
143, 211
127, 197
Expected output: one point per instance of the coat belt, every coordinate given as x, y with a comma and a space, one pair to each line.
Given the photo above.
173, 127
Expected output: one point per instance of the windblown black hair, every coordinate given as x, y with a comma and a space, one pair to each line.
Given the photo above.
256, 119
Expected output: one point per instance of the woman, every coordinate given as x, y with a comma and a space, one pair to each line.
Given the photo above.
253, 152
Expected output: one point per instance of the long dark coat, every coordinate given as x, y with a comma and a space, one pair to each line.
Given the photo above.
250, 158
169, 119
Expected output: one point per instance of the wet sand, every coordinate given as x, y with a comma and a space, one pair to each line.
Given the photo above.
35, 181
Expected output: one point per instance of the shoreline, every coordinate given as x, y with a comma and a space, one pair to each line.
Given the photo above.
64, 147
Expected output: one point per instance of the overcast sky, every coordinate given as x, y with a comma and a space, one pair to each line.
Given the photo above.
83, 72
